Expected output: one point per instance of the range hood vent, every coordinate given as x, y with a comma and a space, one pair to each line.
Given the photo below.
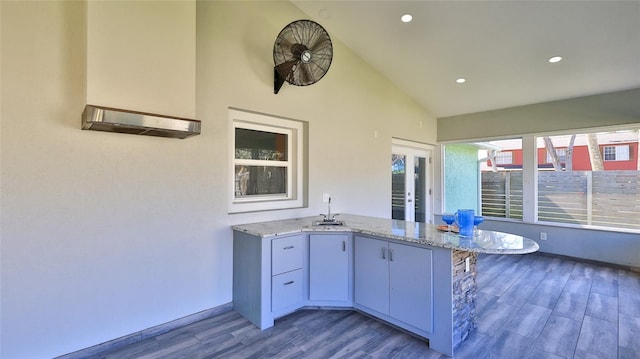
137, 123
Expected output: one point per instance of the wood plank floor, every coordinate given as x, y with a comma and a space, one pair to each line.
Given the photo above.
529, 306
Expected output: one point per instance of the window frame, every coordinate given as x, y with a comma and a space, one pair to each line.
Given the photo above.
530, 176
295, 131
616, 153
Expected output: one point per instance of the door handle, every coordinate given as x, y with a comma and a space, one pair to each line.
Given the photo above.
344, 246
384, 252
390, 255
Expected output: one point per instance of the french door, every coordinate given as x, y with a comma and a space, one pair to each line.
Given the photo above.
411, 181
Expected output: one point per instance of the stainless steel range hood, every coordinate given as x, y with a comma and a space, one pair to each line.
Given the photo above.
137, 123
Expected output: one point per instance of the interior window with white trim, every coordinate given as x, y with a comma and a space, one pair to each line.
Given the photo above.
267, 162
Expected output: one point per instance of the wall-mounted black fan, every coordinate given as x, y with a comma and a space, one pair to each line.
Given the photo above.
302, 54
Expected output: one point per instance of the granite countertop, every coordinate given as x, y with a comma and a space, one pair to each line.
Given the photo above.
413, 232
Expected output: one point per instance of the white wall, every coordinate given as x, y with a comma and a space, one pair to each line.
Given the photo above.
598, 245
107, 234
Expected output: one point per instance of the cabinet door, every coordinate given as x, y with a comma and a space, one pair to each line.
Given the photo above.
410, 281
371, 274
329, 267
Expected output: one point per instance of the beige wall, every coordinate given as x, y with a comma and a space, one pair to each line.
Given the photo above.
141, 56
610, 109
106, 234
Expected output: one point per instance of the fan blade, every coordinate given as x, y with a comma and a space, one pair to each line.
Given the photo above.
282, 50
319, 68
319, 38
322, 47
303, 75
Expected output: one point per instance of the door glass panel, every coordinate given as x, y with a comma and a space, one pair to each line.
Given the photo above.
420, 165
398, 186
410, 181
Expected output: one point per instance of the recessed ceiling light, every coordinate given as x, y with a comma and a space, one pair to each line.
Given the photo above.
555, 59
461, 80
406, 18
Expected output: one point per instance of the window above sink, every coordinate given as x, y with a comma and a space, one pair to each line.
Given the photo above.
267, 163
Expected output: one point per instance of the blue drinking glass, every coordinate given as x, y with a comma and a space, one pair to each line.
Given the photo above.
476, 221
448, 219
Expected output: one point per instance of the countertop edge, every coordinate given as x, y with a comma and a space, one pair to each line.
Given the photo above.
303, 225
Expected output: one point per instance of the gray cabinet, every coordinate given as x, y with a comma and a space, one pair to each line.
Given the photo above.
274, 276
394, 281
268, 276
411, 285
371, 274
330, 268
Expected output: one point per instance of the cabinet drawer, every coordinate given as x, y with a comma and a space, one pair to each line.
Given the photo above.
286, 254
286, 291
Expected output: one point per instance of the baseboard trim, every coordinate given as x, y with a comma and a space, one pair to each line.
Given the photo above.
147, 333
593, 261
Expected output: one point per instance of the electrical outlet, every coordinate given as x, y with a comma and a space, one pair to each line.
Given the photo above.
543, 236
467, 264
325, 197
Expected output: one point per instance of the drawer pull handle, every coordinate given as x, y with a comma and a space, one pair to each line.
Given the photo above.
289, 247
289, 282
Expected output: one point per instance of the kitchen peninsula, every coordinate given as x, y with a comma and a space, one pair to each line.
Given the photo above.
408, 274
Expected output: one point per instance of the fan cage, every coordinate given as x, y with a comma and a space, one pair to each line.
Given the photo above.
302, 54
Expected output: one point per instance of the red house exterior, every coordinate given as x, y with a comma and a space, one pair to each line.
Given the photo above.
616, 155
581, 161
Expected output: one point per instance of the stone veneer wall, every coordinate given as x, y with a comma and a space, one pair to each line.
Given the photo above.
465, 289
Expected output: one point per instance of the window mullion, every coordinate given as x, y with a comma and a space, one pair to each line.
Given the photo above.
249, 162
529, 179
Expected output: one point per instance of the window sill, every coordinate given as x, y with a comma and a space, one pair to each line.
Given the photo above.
565, 225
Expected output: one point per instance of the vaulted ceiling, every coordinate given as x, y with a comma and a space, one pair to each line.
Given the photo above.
501, 48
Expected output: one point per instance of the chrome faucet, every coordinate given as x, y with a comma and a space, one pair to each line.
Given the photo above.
328, 217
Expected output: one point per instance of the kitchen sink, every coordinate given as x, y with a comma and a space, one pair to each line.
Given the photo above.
328, 223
